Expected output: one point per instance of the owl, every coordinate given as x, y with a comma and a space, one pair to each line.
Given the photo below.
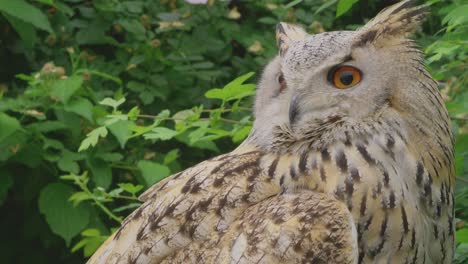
350, 160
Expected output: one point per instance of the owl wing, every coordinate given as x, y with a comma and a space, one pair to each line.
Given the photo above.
189, 206
233, 201
306, 227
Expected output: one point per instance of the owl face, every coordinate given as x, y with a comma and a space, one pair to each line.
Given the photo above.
354, 75
331, 76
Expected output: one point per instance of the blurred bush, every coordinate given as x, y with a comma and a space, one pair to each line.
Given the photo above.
101, 99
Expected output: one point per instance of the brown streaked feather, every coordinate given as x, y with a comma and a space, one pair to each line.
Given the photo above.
307, 227
394, 22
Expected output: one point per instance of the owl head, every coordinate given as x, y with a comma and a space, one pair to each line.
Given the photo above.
344, 81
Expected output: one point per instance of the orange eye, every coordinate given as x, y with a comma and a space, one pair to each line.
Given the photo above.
344, 77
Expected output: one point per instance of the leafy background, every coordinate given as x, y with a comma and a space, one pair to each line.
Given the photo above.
101, 99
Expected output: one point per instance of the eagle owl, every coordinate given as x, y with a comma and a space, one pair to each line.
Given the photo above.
350, 161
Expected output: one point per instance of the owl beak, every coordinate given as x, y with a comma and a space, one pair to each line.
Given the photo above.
286, 34
294, 108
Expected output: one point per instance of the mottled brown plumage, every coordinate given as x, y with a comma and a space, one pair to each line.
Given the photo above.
356, 175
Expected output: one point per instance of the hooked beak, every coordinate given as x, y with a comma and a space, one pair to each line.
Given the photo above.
294, 108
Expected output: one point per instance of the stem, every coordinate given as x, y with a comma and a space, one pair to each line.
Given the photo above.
102, 206
101, 74
462, 179
181, 119
117, 166
132, 198
107, 211
459, 118
226, 110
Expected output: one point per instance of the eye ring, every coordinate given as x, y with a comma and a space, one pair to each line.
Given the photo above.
344, 77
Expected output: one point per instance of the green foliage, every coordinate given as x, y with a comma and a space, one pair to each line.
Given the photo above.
344, 6
64, 220
101, 99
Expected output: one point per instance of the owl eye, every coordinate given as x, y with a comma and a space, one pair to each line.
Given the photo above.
343, 77
281, 82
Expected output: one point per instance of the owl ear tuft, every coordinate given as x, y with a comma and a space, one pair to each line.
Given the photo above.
395, 22
286, 34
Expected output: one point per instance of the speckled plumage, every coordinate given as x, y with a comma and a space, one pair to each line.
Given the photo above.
363, 175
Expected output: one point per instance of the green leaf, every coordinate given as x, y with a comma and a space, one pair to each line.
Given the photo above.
461, 154
102, 173
121, 131
26, 12
462, 235
68, 161
133, 6
6, 181
8, 125
344, 6
134, 26
64, 219
47, 126
92, 138
91, 232
90, 243
128, 187
133, 113
82, 107
126, 207
153, 172
293, 3
111, 157
78, 197
268, 20
233, 90
161, 133
63, 90
171, 156
52, 143
26, 31
112, 103
241, 134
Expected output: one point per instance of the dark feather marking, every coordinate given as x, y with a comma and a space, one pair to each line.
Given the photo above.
282, 180
386, 178
436, 231
401, 242
405, 5
349, 187
362, 149
391, 200
361, 256
404, 219
303, 162
419, 173
355, 175
383, 227
323, 175
188, 185
363, 204
368, 37
347, 140
415, 258
325, 154
293, 173
413, 239
222, 203
368, 222
272, 168
220, 166
342, 162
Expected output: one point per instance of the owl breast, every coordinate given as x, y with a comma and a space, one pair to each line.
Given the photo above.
401, 209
